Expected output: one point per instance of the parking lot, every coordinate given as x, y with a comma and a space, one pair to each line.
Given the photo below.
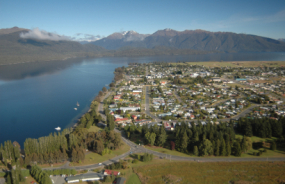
58, 179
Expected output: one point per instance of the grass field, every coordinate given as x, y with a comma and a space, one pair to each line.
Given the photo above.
94, 129
133, 179
219, 172
29, 179
94, 158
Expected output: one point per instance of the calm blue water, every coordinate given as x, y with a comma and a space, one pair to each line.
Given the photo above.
35, 98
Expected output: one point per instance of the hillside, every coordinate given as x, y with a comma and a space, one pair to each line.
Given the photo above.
195, 40
14, 49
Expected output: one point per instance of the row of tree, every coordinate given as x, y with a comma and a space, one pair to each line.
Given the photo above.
40, 175
264, 127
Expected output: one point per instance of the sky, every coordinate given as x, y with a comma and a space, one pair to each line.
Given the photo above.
99, 18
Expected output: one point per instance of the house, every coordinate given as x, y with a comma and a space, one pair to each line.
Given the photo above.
123, 121
134, 117
117, 97
163, 82
84, 177
120, 181
167, 125
110, 172
142, 122
129, 109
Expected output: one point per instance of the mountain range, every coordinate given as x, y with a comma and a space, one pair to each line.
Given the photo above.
196, 40
17, 49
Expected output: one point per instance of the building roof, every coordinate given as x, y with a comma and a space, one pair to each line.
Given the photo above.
109, 172
120, 180
85, 177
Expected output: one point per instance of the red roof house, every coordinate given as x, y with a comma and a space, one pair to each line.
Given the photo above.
109, 172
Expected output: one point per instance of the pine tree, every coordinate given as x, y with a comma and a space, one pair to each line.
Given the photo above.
228, 148
196, 152
243, 145
237, 149
217, 148
223, 148
184, 142
162, 136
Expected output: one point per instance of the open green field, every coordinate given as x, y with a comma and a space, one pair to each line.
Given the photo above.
218, 172
94, 158
94, 129
236, 63
133, 179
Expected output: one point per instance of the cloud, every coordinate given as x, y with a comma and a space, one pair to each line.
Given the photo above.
38, 34
86, 37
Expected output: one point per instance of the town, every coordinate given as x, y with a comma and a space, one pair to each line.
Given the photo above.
167, 94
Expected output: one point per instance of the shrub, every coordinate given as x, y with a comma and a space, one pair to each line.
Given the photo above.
273, 146
135, 161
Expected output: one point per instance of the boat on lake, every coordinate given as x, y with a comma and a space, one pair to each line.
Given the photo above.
75, 108
58, 128
77, 104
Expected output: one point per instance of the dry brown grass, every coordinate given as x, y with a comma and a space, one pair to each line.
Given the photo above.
217, 172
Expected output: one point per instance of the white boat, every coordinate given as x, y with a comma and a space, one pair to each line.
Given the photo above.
77, 104
75, 109
58, 128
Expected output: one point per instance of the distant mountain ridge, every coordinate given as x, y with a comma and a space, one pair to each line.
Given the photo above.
194, 39
16, 49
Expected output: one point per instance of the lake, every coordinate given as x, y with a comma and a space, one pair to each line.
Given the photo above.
37, 97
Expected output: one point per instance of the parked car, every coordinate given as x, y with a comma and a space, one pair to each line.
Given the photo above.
100, 163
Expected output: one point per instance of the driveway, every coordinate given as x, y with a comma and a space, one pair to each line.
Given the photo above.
58, 179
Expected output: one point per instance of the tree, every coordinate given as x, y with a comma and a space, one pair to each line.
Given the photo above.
273, 145
184, 142
196, 152
228, 148
248, 129
150, 137
161, 138
223, 148
99, 147
243, 145
205, 148
104, 89
217, 147
248, 143
236, 149
172, 145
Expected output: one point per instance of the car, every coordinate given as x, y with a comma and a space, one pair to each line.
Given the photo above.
100, 163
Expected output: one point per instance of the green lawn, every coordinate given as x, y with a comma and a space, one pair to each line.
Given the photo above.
94, 129
167, 151
257, 139
133, 179
94, 158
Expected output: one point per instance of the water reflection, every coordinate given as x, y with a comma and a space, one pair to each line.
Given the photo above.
25, 70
